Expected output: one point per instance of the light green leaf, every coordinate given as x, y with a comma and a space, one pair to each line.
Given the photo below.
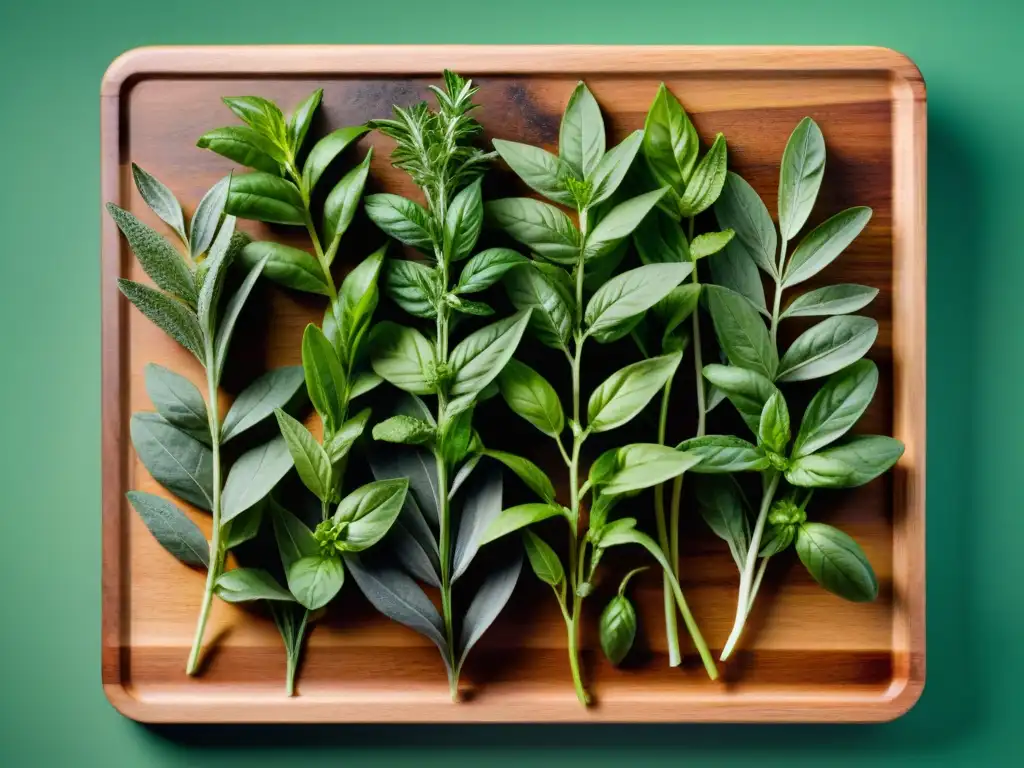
274, 389
403, 357
773, 431
463, 221
262, 115
413, 286
241, 585
670, 141
178, 400
632, 293
294, 540
530, 395
849, 464
831, 300
161, 200
358, 297
528, 472
641, 465
310, 458
827, 347
171, 528
823, 244
709, 243
176, 460
324, 151
581, 139
287, 266
624, 394
479, 358
740, 209
543, 560
515, 518
741, 331
707, 181
836, 562
343, 201
487, 268
265, 197
155, 255
401, 218
316, 580
245, 527
544, 292
325, 378
803, 166
403, 429
543, 228
723, 454
747, 390
364, 382
339, 444
253, 475
300, 119
613, 167
617, 629
245, 146
836, 407
619, 223
539, 169
369, 512
733, 269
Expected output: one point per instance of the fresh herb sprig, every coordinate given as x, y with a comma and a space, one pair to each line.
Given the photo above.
833, 348
586, 177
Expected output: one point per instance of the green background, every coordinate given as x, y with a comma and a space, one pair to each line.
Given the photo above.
53, 56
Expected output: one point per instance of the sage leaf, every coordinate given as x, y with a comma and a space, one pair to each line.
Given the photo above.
401, 218
231, 313
530, 395
172, 528
823, 244
619, 223
479, 358
155, 255
414, 545
724, 454
274, 389
245, 146
262, 115
463, 220
177, 400
617, 629
404, 429
487, 268
240, 585
369, 512
831, 300
315, 580
488, 602
725, 510
836, 562
463, 474
161, 201
773, 430
300, 119
287, 266
632, 293
581, 139
670, 142
413, 286
325, 378
206, 219
659, 238
324, 151
741, 209
310, 458
543, 228
253, 475
747, 390
641, 465
624, 394
403, 357
532, 475
542, 172
827, 347
294, 540
419, 468
216, 271
613, 167
552, 305
803, 166
836, 407
175, 459
543, 560
732, 269
710, 243
341, 204
265, 197
851, 463
705, 185
741, 332
481, 507
515, 518
245, 527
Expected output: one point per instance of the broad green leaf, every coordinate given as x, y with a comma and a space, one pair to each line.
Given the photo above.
294, 539
160, 200
343, 201
532, 475
206, 219
677, 306
172, 528
724, 509
803, 166
530, 395
245, 527
660, 238
613, 167
324, 151
670, 141
403, 357
482, 504
339, 444
310, 458
581, 139
823, 244
325, 378
369, 512
851, 463
274, 389
543, 228
155, 255
401, 218
265, 197
515, 518
253, 475
836, 562
741, 332
488, 602
773, 431
827, 347
740, 209
709, 243
624, 394
722, 454
641, 465
619, 223
463, 220
178, 400
747, 390
404, 429
261, 115
732, 269
704, 187
364, 382
479, 358
551, 302
617, 629
241, 585
316, 580
300, 119
487, 268
539, 169
836, 407
216, 264
245, 146
543, 560
176, 460
831, 300
287, 266
413, 286
632, 293
358, 297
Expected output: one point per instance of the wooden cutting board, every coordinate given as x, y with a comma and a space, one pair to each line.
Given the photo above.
806, 656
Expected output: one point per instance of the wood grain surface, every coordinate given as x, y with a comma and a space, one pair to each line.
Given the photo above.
806, 654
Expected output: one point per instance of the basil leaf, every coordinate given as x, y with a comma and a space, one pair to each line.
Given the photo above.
733, 269
161, 201
613, 167
670, 141
413, 286
341, 204
617, 629
741, 332
624, 394
479, 358
543, 560
488, 602
253, 475
177, 400
339, 444
827, 347
416, 465
245, 146
659, 238
740, 209
514, 518
831, 300
707, 181
370, 511
487, 268
709, 243
543, 228
632, 293
725, 510
747, 390
155, 255
316, 580
206, 219
467, 307
176, 460
777, 540
540, 170
298, 123
481, 506
403, 357
641, 465
241, 585
358, 297
581, 139
803, 166
773, 429
172, 528
402, 219
551, 318
311, 460
403, 429
836, 407
836, 562
260, 114
274, 389
325, 378
823, 244
265, 197
324, 151
287, 266
463, 220
849, 464
677, 306
532, 475
530, 395
619, 223
722, 454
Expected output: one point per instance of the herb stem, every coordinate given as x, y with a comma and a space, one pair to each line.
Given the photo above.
293, 658
671, 626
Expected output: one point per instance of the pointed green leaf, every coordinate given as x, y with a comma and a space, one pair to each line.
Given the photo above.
172, 528
324, 151
311, 460
707, 181
403, 357
741, 331
161, 201
401, 218
175, 459
851, 463
541, 171
827, 347
581, 139
155, 255
803, 166
836, 562
544, 229
624, 394
343, 201
823, 244
836, 407
253, 475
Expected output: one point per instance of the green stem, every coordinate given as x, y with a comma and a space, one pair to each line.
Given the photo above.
757, 582
444, 545
671, 626
694, 630
293, 657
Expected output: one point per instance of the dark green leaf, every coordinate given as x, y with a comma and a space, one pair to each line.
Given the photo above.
316, 580
488, 602
632, 293
487, 268
747, 390
245, 146
773, 431
624, 394
178, 400
479, 358
206, 219
528, 472
253, 475
617, 629
836, 407
155, 255
613, 167
733, 269
481, 507
827, 347
324, 151
325, 378
823, 244
402, 219
740, 209
172, 528
515, 518
677, 306
274, 389
241, 585
310, 458
803, 166
543, 560
543, 292
670, 141
707, 181
403, 429
369, 512
287, 266
543, 228
581, 139
540, 170
831, 300
364, 382
403, 357
341, 205
161, 200
457, 436
849, 464
659, 238
724, 509
298, 123
619, 223
721, 454
462, 222
413, 286
741, 332
176, 460
531, 396
836, 562
265, 197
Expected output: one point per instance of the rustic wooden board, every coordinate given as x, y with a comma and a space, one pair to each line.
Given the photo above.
806, 654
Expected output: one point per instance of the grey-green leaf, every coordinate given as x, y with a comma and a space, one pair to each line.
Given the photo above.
176, 460
741, 332
206, 219
287, 266
157, 257
624, 394
707, 181
543, 560
172, 528
836, 407
481, 506
741, 209
539, 169
803, 166
540, 290
253, 475
161, 200
543, 228
831, 300
836, 562
487, 268
274, 389
581, 138
530, 395
487, 603
403, 357
823, 244
632, 293
245, 527
731, 268
241, 585
848, 464
724, 454
178, 400
827, 347
265, 197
